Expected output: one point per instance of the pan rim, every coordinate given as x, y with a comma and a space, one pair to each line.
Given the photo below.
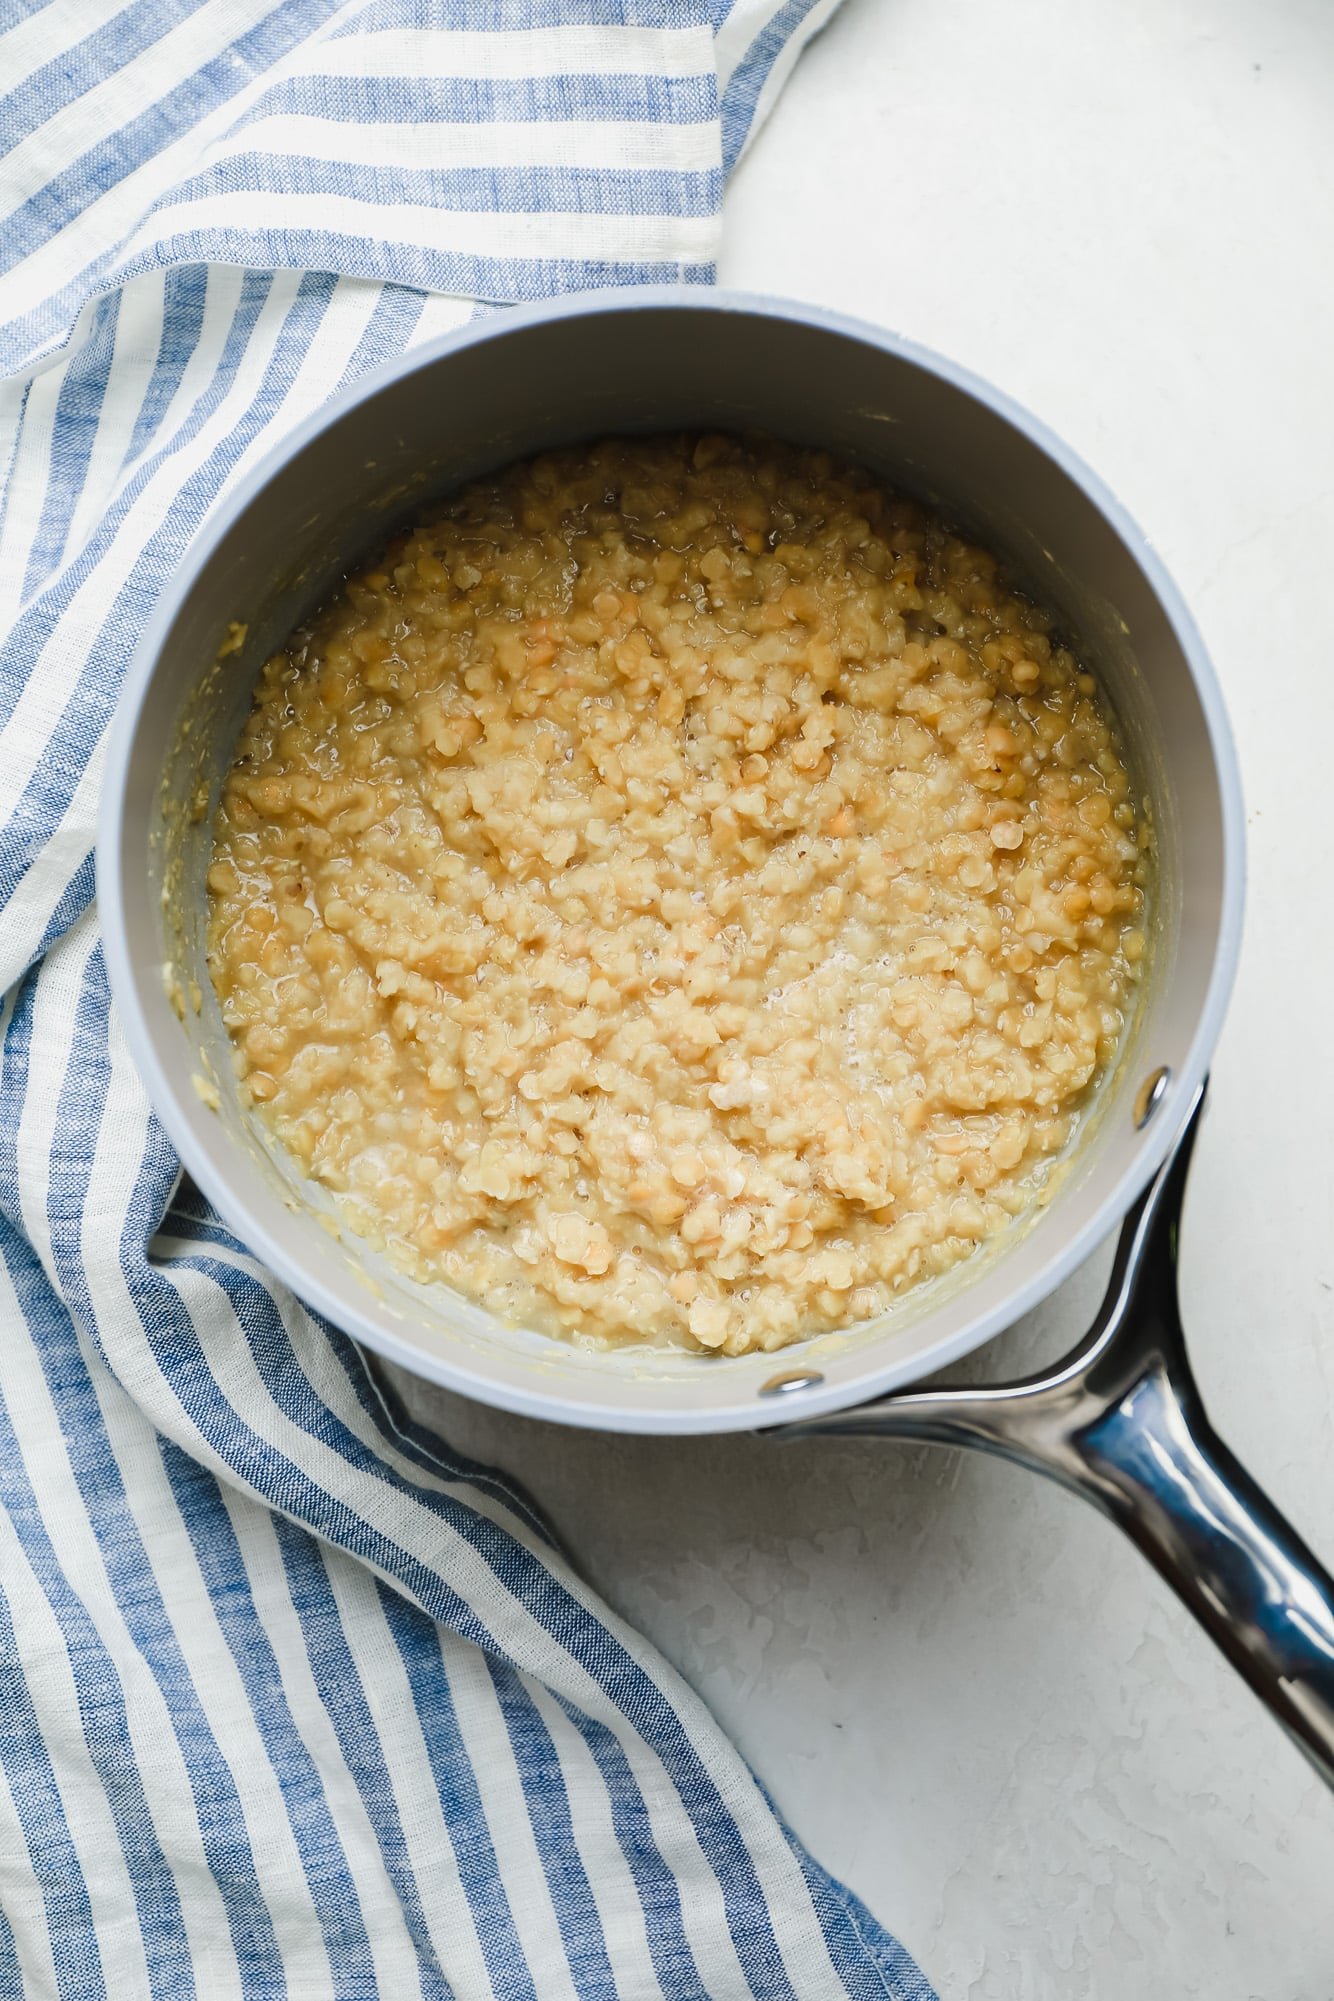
560, 1402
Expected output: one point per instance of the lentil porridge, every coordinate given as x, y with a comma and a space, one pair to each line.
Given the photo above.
679, 892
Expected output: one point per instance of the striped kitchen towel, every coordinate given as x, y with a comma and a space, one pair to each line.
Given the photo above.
296, 1702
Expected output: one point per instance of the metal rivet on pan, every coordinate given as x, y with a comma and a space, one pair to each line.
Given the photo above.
788, 1385
1151, 1094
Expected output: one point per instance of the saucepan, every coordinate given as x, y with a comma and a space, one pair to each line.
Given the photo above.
1120, 1421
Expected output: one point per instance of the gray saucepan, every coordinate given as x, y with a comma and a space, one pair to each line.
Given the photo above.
1120, 1421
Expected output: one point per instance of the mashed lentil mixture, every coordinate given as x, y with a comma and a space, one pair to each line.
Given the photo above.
678, 893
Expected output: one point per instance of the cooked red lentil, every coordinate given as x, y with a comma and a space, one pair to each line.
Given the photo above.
679, 892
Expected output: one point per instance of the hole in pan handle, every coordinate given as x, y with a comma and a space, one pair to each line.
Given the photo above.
1121, 1422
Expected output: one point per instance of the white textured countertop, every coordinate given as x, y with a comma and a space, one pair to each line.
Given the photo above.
974, 1702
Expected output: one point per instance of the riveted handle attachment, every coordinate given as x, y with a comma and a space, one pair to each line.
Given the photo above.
1121, 1422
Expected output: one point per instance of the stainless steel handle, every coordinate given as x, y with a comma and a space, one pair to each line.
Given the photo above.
1121, 1422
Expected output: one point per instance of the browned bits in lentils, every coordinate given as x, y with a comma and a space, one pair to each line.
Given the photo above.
677, 892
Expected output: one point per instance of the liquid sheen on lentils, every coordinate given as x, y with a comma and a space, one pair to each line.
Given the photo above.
677, 892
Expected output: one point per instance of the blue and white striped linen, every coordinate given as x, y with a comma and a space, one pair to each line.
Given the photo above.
295, 1701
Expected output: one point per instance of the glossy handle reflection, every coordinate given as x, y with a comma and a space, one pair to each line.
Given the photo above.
1160, 1470
1120, 1421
